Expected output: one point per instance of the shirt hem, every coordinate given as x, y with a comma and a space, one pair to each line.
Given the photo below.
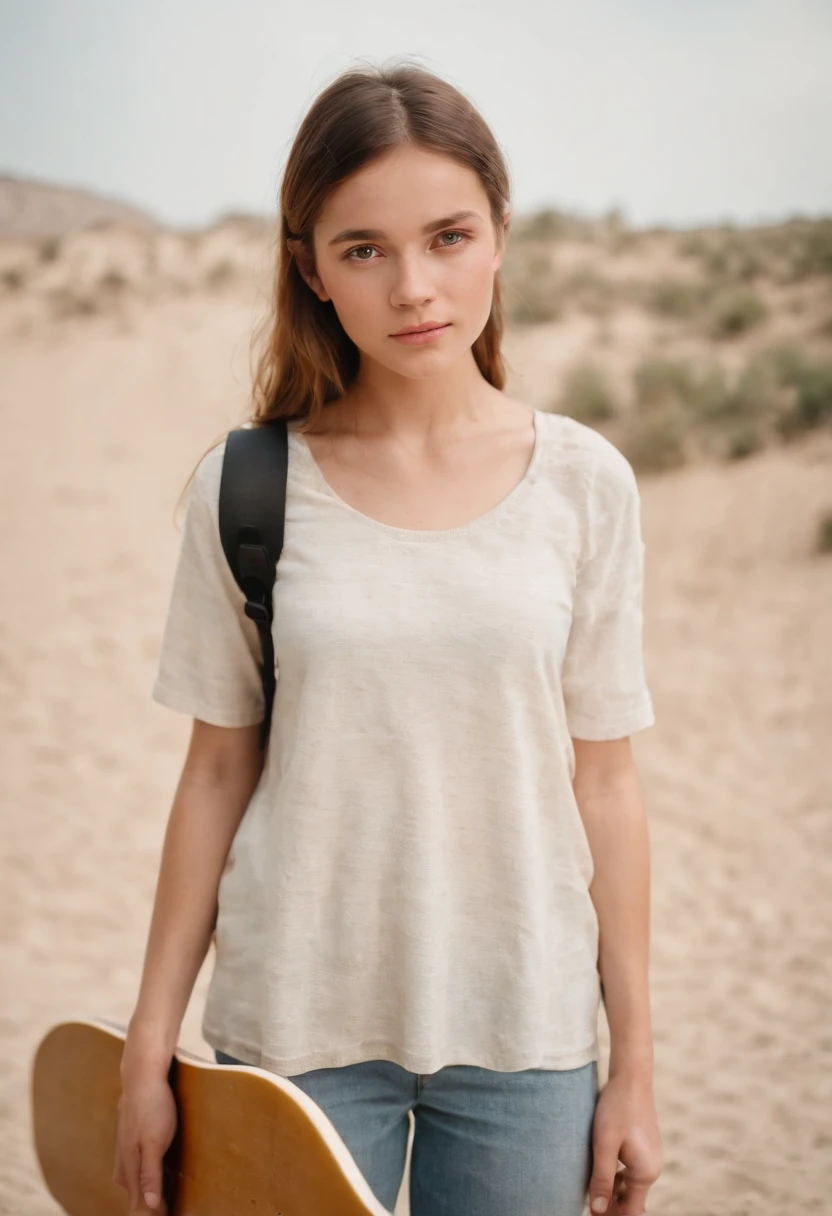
638, 719
168, 697
376, 1049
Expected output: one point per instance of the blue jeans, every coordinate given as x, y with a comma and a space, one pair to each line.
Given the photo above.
485, 1143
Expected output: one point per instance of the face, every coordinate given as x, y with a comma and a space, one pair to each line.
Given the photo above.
388, 255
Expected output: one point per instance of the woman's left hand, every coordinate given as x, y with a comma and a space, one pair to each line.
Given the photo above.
625, 1128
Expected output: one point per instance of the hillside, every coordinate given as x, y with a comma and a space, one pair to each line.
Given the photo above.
680, 346
37, 209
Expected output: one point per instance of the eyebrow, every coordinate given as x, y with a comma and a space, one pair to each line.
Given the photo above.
375, 234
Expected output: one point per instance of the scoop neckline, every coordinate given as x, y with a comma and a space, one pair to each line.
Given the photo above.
300, 445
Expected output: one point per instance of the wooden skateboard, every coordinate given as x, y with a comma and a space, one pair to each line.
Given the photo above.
248, 1142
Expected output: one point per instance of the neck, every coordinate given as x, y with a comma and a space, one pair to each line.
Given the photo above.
382, 403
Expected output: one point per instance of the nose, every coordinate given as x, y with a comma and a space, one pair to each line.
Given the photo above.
412, 285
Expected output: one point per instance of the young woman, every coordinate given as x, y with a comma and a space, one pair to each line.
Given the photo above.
420, 893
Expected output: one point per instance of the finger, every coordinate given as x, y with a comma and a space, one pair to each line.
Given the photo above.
633, 1200
150, 1177
131, 1161
118, 1172
604, 1161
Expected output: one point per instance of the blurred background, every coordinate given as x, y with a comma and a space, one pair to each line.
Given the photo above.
669, 282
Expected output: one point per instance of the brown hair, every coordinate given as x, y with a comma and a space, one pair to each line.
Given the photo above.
367, 111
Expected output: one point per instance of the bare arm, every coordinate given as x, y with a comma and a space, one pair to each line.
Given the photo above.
219, 776
608, 793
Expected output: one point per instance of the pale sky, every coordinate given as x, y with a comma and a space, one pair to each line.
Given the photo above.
678, 112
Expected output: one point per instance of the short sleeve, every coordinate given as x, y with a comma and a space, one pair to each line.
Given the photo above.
209, 662
603, 679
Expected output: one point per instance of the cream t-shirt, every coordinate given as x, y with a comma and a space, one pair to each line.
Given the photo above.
410, 880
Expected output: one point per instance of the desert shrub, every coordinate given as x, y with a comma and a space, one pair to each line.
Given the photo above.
658, 382
794, 250
113, 281
708, 393
545, 225
711, 396
531, 291
65, 303
752, 395
735, 312
743, 441
49, 249
221, 274
586, 394
534, 304
812, 405
824, 533
787, 363
812, 249
757, 391
13, 278
548, 224
589, 290
678, 298
692, 245
736, 262
655, 442
806, 390
724, 415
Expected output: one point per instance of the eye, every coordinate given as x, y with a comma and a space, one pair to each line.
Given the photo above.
348, 256
357, 249
461, 241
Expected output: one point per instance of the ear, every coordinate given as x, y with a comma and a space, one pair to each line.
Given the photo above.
501, 248
306, 267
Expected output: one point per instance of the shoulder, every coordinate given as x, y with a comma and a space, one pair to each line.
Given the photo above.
585, 461
207, 476
584, 448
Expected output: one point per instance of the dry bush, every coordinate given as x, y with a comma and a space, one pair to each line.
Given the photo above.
677, 298
549, 224
221, 274
588, 290
809, 385
13, 278
113, 282
656, 441
734, 313
531, 292
692, 245
810, 248
824, 327
49, 249
65, 302
743, 441
658, 382
824, 533
586, 394
723, 416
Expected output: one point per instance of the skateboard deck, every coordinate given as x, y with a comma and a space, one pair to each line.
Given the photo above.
248, 1142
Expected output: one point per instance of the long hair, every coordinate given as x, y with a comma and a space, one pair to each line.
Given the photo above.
307, 360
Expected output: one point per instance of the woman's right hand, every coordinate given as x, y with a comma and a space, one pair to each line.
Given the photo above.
146, 1127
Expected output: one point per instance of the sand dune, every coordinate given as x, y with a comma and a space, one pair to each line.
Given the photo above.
103, 420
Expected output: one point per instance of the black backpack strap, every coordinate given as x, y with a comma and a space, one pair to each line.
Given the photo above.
252, 509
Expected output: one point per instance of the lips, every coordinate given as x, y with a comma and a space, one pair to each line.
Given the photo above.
422, 337
419, 329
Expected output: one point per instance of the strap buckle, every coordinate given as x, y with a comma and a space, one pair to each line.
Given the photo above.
257, 612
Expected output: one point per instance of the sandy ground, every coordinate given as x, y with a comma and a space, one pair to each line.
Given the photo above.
101, 428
